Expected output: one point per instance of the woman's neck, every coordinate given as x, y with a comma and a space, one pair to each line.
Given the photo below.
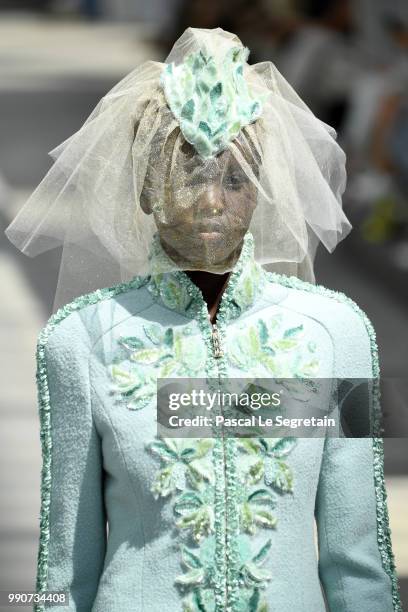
212, 287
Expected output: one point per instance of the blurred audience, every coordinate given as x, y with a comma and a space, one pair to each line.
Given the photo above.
376, 140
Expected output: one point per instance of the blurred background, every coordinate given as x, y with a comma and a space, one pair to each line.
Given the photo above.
347, 60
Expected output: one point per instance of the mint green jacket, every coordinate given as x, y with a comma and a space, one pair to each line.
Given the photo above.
132, 522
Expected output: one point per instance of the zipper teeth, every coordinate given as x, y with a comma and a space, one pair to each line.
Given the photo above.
218, 353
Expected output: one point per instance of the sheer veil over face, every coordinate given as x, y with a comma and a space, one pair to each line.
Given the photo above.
206, 209
200, 148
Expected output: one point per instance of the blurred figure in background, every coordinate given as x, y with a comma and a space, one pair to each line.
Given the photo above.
26, 5
261, 24
320, 59
90, 8
376, 140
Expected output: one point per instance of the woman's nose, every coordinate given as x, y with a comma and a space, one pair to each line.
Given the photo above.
211, 201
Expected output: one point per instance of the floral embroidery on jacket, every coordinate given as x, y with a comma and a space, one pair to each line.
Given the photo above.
199, 576
186, 476
279, 351
168, 352
163, 352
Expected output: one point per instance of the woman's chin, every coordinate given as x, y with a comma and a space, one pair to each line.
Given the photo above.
209, 250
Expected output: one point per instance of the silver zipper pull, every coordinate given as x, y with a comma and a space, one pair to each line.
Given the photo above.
218, 352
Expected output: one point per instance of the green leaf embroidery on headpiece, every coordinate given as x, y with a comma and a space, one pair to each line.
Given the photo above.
210, 98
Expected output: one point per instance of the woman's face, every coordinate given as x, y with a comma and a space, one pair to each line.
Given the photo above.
205, 212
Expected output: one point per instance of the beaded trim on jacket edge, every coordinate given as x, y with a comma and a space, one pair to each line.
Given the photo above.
383, 528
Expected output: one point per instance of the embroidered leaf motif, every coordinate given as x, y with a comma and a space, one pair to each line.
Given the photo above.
255, 604
283, 352
182, 461
278, 474
154, 333
199, 520
190, 559
196, 603
254, 341
263, 332
249, 444
262, 496
280, 447
271, 467
256, 472
285, 344
168, 337
199, 563
171, 293
170, 353
133, 385
263, 553
265, 518
256, 574
163, 450
131, 343
191, 577
252, 572
255, 510
146, 356
127, 382
293, 331
163, 484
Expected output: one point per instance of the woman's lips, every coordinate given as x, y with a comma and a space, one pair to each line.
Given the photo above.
209, 226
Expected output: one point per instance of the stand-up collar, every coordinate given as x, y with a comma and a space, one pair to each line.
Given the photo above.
176, 290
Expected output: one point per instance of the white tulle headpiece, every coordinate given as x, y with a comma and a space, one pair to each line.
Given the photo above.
167, 135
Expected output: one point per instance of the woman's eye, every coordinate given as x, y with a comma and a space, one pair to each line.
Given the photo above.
235, 181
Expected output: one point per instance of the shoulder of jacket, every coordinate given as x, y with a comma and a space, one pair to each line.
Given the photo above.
69, 321
345, 320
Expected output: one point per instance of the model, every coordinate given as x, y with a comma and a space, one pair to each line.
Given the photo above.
188, 179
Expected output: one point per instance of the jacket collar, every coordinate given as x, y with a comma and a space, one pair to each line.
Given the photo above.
175, 290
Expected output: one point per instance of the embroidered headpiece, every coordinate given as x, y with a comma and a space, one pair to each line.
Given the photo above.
210, 98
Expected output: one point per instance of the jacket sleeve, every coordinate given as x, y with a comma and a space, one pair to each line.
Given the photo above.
356, 563
73, 532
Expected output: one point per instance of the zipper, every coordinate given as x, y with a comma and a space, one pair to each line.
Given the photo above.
218, 353
217, 350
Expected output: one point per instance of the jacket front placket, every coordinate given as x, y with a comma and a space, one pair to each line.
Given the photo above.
224, 456
243, 284
226, 506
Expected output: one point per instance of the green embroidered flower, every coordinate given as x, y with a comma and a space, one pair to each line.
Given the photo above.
269, 461
282, 352
135, 384
199, 577
187, 474
199, 564
210, 98
198, 580
251, 573
164, 352
183, 462
196, 511
256, 509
